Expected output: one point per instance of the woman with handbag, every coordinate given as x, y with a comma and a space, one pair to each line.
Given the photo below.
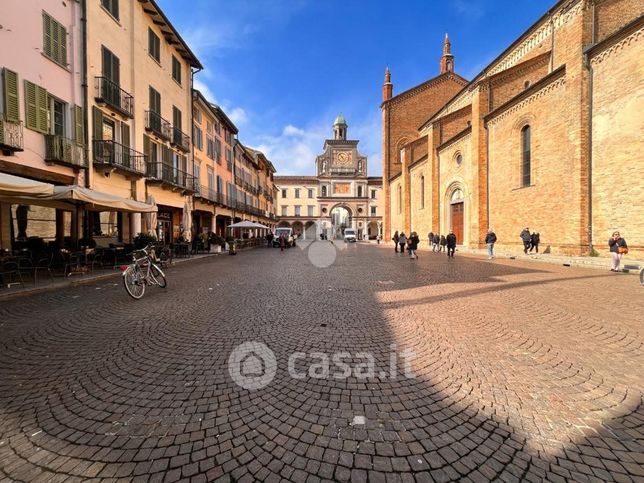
618, 248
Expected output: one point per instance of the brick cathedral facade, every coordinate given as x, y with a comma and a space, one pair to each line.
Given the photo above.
547, 136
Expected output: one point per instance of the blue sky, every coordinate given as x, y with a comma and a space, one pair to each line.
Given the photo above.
283, 69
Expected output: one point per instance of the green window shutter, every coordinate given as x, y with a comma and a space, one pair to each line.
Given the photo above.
97, 116
146, 145
31, 108
11, 99
62, 45
78, 125
125, 135
42, 103
47, 42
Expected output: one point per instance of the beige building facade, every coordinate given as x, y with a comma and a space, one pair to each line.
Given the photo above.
339, 196
503, 154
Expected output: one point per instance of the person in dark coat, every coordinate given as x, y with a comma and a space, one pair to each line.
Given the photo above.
413, 245
430, 239
450, 241
490, 240
618, 248
395, 239
436, 243
534, 242
526, 238
402, 241
443, 243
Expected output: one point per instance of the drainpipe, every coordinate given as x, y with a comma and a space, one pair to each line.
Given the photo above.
192, 124
84, 90
487, 175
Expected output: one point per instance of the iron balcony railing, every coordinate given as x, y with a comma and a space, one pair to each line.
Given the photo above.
159, 126
180, 139
112, 95
11, 135
118, 156
167, 173
59, 149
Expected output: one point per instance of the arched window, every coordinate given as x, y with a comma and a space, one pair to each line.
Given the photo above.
422, 192
323, 191
525, 156
359, 191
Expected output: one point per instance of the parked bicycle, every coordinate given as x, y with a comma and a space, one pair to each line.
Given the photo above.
143, 271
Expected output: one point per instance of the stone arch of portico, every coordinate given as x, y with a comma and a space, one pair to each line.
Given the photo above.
446, 209
284, 224
351, 215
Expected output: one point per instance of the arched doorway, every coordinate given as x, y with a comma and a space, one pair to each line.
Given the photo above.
374, 230
457, 210
298, 228
340, 219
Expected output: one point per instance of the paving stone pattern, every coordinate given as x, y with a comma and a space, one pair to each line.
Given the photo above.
522, 372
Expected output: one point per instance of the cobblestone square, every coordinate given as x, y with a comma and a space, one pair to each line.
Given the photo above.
522, 371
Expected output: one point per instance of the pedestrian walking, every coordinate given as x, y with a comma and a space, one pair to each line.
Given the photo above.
526, 238
395, 238
450, 241
443, 243
430, 239
436, 242
534, 242
618, 248
490, 240
402, 241
269, 239
282, 242
413, 245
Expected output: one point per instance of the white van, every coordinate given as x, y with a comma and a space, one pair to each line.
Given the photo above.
288, 234
349, 235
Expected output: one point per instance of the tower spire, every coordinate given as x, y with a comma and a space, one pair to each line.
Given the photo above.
387, 87
447, 60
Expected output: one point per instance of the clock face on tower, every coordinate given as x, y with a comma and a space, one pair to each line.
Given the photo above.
343, 158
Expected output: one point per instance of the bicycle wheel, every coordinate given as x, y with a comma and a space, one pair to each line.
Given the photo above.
133, 281
158, 276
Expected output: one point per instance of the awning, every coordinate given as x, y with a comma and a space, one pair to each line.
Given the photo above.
99, 201
11, 185
247, 224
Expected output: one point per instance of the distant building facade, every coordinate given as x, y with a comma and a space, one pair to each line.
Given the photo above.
339, 196
547, 136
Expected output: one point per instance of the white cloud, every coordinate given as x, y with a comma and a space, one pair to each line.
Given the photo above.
237, 115
294, 149
204, 89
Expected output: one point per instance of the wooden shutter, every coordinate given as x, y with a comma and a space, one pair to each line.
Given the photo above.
31, 109
97, 116
125, 135
42, 102
47, 41
62, 45
10, 93
78, 125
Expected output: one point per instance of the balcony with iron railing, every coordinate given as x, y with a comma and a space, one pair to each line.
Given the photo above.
11, 135
180, 139
157, 125
169, 175
118, 156
61, 150
111, 94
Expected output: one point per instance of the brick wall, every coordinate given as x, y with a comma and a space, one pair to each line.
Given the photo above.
611, 15
617, 127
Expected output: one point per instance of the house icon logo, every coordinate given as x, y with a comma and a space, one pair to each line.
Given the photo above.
252, 365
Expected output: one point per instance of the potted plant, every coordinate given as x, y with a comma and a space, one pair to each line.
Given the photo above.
143, 239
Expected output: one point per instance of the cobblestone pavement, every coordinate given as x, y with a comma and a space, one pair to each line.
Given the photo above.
522, 372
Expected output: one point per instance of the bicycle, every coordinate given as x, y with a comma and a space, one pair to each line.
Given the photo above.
142, 272
642, 275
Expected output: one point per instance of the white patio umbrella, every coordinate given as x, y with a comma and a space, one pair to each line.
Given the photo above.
151, 217
186, 221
